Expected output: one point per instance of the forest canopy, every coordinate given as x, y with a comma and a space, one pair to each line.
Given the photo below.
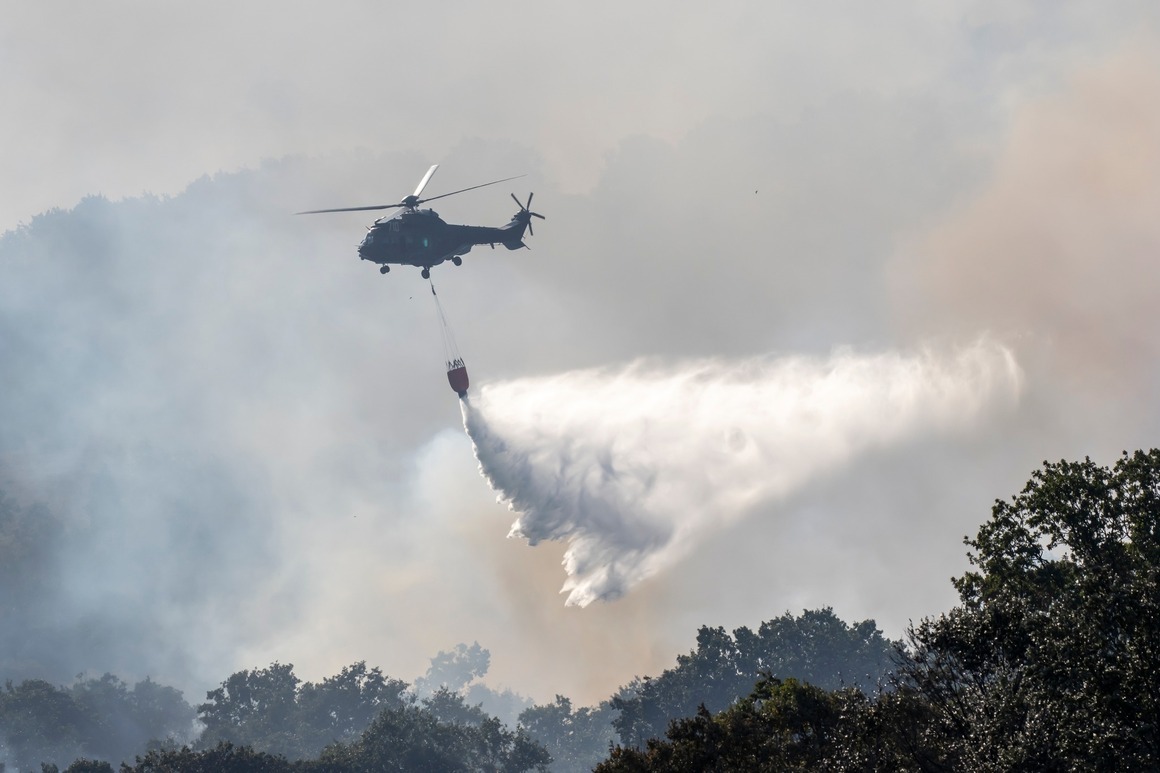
1048, 661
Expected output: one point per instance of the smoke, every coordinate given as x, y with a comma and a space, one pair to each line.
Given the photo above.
632, 466
1059, 249
225, 441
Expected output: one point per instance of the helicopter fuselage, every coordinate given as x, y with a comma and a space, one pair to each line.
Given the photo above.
419, 237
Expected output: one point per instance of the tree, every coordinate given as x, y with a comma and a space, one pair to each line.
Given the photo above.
85, 765
451, 708
253, 708
161, 713
781, 726
1050, 660
413, 739
270, 709
816, 647
40, 723
454, 670
577, 740
100, 718
341, 707
505, 705
120, 723
223, 758
458, 671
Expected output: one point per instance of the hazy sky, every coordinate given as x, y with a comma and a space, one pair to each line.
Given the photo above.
247, 434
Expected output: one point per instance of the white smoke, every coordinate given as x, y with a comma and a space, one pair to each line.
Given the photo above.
631, 466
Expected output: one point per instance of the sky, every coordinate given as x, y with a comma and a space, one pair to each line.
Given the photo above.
241, 438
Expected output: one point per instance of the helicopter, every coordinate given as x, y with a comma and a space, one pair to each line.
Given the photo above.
419, 237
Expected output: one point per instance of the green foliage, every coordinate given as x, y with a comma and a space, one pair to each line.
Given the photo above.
576, 739
406, 738
452, 708
120, 722
341, 707
454, 670
413, 739
781, 726
792, 725
85, 765
40, 723
223, 758
253, 708
101, 718
268, 710
816, 647
458, 672
1050, 661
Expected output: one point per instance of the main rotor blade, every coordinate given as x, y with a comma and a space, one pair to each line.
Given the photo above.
537, 214
348, 209
463, 190
426, 179
415, 202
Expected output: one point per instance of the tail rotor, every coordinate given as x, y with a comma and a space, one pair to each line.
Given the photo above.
526, 214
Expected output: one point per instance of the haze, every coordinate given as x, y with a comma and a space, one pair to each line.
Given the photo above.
245, 437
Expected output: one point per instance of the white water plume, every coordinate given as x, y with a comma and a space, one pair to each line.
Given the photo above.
630, 466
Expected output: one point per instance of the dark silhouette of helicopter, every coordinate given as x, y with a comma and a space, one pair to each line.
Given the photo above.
419, 237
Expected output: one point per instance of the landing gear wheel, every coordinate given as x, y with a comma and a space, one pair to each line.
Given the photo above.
426, 274
457, 260
384, 269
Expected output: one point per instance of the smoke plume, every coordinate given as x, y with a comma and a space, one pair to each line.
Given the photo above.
632, 466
